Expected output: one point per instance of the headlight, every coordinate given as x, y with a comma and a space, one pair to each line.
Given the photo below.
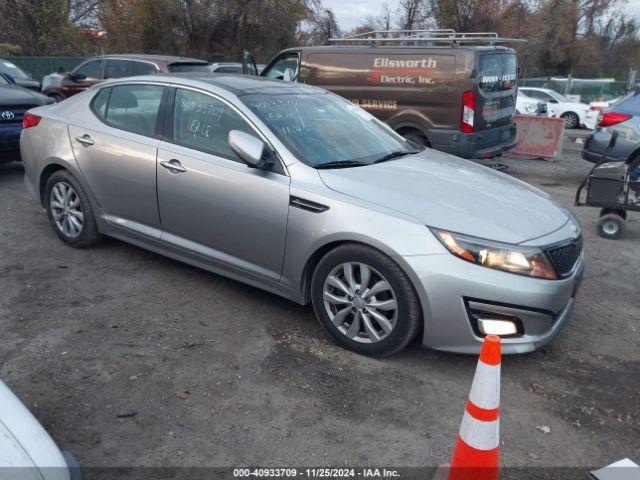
529, 261
531, 107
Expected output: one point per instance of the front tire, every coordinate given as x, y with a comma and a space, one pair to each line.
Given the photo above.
364, 300
69, 211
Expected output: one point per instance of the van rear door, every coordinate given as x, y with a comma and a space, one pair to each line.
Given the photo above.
496, 89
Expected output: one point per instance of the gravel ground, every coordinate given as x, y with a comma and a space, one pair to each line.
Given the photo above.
131, 359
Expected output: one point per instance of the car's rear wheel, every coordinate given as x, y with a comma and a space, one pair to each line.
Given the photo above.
69, 210
571, 120
365, 301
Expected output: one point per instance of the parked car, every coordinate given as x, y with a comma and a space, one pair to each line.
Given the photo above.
574, 113
18, 76
297, 191
595, 107
14, 101
98, 69
530, 106
616, 137
457, 98
26, 449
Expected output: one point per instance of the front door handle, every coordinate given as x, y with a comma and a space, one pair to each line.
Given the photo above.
85, 140
173, 166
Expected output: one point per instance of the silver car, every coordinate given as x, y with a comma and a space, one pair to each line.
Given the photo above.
296, 191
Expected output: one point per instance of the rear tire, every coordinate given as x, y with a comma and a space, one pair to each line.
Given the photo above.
416, 137
69, 211
611, 226
365, 301
571, 120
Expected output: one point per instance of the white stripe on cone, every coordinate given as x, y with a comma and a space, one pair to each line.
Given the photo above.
478, 434
485, 389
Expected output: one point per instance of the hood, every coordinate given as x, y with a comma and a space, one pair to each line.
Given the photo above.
449, 193
15, 95
24, 443
28, 83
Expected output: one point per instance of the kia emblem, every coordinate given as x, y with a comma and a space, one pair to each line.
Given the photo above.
8, 115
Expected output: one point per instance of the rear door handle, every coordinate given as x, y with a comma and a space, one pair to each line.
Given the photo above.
85, 140
173, 166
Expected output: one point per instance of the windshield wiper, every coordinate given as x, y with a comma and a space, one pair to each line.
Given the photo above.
341, 164
395, 154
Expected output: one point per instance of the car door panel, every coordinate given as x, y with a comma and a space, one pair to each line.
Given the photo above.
120, 168
223, 209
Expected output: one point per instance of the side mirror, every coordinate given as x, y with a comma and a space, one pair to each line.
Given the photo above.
250, 149
553, 100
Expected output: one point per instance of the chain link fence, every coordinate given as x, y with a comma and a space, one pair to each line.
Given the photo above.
38, 67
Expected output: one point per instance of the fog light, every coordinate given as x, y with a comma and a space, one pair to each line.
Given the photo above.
490, 326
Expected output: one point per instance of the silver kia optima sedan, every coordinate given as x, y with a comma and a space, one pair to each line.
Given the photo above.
296, 191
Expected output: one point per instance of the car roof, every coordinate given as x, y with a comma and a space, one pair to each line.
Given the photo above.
152, 58
237, 84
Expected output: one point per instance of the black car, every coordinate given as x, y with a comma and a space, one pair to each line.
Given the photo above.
14, 74
14, 102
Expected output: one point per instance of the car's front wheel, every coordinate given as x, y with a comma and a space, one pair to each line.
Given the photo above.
365, 301
69, 210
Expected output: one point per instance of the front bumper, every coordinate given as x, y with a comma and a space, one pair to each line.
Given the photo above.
451, 290
484, 144
10, 142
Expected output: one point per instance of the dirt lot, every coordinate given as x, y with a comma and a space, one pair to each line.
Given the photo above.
101, 344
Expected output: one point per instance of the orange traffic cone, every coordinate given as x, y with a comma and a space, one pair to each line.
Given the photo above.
476, 453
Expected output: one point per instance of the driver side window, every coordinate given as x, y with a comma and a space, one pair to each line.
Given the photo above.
276, 71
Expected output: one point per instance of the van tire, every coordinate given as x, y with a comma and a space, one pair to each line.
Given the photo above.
416, 137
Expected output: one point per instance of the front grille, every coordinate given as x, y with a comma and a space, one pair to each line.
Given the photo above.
564, 257
13, 113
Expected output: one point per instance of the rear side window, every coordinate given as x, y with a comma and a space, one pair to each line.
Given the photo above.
188, 67
629, 105
117, 69
498, 71
133, 108
99, 103
203, 123
143, 68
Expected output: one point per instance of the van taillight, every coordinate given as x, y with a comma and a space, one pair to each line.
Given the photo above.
30, 120
468, 111
611, 118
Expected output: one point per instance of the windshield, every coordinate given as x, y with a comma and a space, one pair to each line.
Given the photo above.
557, 96
323, 129
11, 69
189, 67
3, 81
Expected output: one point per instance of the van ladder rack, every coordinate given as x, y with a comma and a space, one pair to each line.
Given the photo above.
424, 38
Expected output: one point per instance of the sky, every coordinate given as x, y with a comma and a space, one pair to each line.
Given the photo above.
351, 12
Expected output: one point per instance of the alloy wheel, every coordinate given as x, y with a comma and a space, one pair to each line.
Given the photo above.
66, 209
360, 302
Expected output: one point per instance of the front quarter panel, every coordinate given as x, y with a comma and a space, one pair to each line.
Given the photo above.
347, 219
